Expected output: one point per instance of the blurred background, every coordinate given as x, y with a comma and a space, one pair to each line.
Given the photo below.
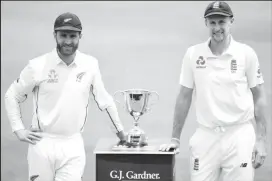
139, 45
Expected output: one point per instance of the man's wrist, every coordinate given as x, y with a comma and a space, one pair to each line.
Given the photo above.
17, 127
18, 130
121, 135
175, 140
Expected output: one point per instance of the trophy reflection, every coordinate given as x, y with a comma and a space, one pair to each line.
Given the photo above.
137, 103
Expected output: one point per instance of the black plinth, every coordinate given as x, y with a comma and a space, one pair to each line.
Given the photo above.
133, 164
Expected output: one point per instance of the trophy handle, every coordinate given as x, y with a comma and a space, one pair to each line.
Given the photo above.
117, 92
151, 104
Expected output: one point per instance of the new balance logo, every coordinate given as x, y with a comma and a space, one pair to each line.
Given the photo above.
79, 76
34, 177
200, 62
52, 76
243, 165
196, 164
233, 66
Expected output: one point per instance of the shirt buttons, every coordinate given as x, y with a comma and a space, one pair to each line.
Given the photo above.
217, 129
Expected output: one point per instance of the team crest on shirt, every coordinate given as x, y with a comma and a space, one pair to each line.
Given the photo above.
233, 66
200, 63
52, 76
79, 76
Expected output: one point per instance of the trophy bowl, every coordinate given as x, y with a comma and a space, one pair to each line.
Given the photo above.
137, 103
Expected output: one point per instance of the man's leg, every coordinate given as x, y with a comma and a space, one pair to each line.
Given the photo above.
71, 160
40, 161
237, 164
72, 170
205, 155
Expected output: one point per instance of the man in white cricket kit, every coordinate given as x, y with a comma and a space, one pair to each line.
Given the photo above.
228, 84
61, 81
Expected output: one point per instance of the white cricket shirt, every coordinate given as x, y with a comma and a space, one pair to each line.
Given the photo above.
222, 83
61, 93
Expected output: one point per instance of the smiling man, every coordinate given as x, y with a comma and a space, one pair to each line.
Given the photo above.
228, 84
61, 82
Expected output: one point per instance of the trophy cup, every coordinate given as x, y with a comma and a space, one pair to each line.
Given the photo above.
136, 103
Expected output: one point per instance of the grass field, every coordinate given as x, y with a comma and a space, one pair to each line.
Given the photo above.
138, 45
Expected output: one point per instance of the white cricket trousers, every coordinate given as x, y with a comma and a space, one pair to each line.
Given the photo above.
57, 158
223, 152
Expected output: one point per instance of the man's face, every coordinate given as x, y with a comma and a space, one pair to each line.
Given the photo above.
219, 26
67, 42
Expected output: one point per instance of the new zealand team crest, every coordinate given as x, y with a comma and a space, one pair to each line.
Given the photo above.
79, 76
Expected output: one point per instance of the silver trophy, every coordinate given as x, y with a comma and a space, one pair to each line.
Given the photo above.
136, 103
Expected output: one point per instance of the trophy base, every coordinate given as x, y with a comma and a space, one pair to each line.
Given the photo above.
136, 145
137, 141
136, 137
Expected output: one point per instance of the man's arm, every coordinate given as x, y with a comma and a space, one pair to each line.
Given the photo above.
184, 98
106, 102
113, 114
260, 105
255, 83
183, 104
15, 95
259, 152
183, 101
182, 107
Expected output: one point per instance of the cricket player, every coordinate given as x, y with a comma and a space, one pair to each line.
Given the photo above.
61, 82
229, 93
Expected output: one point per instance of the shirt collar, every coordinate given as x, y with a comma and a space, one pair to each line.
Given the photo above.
230, 51
59, 61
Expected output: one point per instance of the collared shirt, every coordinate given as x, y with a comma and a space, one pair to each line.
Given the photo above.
222, 83
61, 93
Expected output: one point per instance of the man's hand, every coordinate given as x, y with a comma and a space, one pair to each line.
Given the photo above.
122, 143
172, 146
259, 153
29, 136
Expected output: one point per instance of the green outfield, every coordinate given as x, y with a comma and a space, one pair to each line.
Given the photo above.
138, 45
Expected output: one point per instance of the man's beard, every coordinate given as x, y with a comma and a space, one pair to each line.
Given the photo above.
67, 51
